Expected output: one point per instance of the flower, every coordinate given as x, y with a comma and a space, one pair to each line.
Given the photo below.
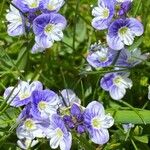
67, 98
97, 122
44, 103
52, 5
27, 5
16, 21
75, 119
58, 134
101, 58
21, 95
127, 127
48, 28
103, 14
122, 32
116, 84
130, 58
31, 128
124, 8
27, 143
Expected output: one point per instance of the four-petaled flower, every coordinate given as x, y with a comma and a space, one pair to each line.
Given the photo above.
97, 122
48, 28
21, 95
31, 128
116, 84
103, 14
101, 58
44, 103
58, 134
122, 32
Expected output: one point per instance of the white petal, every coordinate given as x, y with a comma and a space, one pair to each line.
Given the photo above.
117, 93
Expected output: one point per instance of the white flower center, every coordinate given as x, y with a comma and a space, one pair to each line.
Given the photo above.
59, 133
24, 95
49, 28
126, 35
32, 3
123, 31
117, 80
105, 13
102, 56
50, 7
29, 124
42, 105
96, 122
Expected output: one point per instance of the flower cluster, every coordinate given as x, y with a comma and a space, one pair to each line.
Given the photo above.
121, 33
41, 16
54, 116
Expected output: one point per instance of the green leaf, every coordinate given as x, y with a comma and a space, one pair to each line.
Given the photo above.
143, 139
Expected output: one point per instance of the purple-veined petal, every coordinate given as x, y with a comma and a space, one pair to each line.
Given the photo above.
117, 93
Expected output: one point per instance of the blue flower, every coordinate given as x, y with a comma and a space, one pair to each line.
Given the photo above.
16, 21
52, 5
74, 120
127, 127
21, 95
124, 8
130, 58
31, 128
97, 123
103, 14
122, 32
27, 5
67, 98
116, 84
58, 134
103, 57
48, 28
44, 103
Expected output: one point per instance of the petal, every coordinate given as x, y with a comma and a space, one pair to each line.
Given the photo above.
36, 85
100, 24
95, 109
136, 26
107, 81
75, 110
107, 122
115, 42
57, 35
100, 136
36, 48
69, 97
54, 142
117, 93
44, 41
66, 143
